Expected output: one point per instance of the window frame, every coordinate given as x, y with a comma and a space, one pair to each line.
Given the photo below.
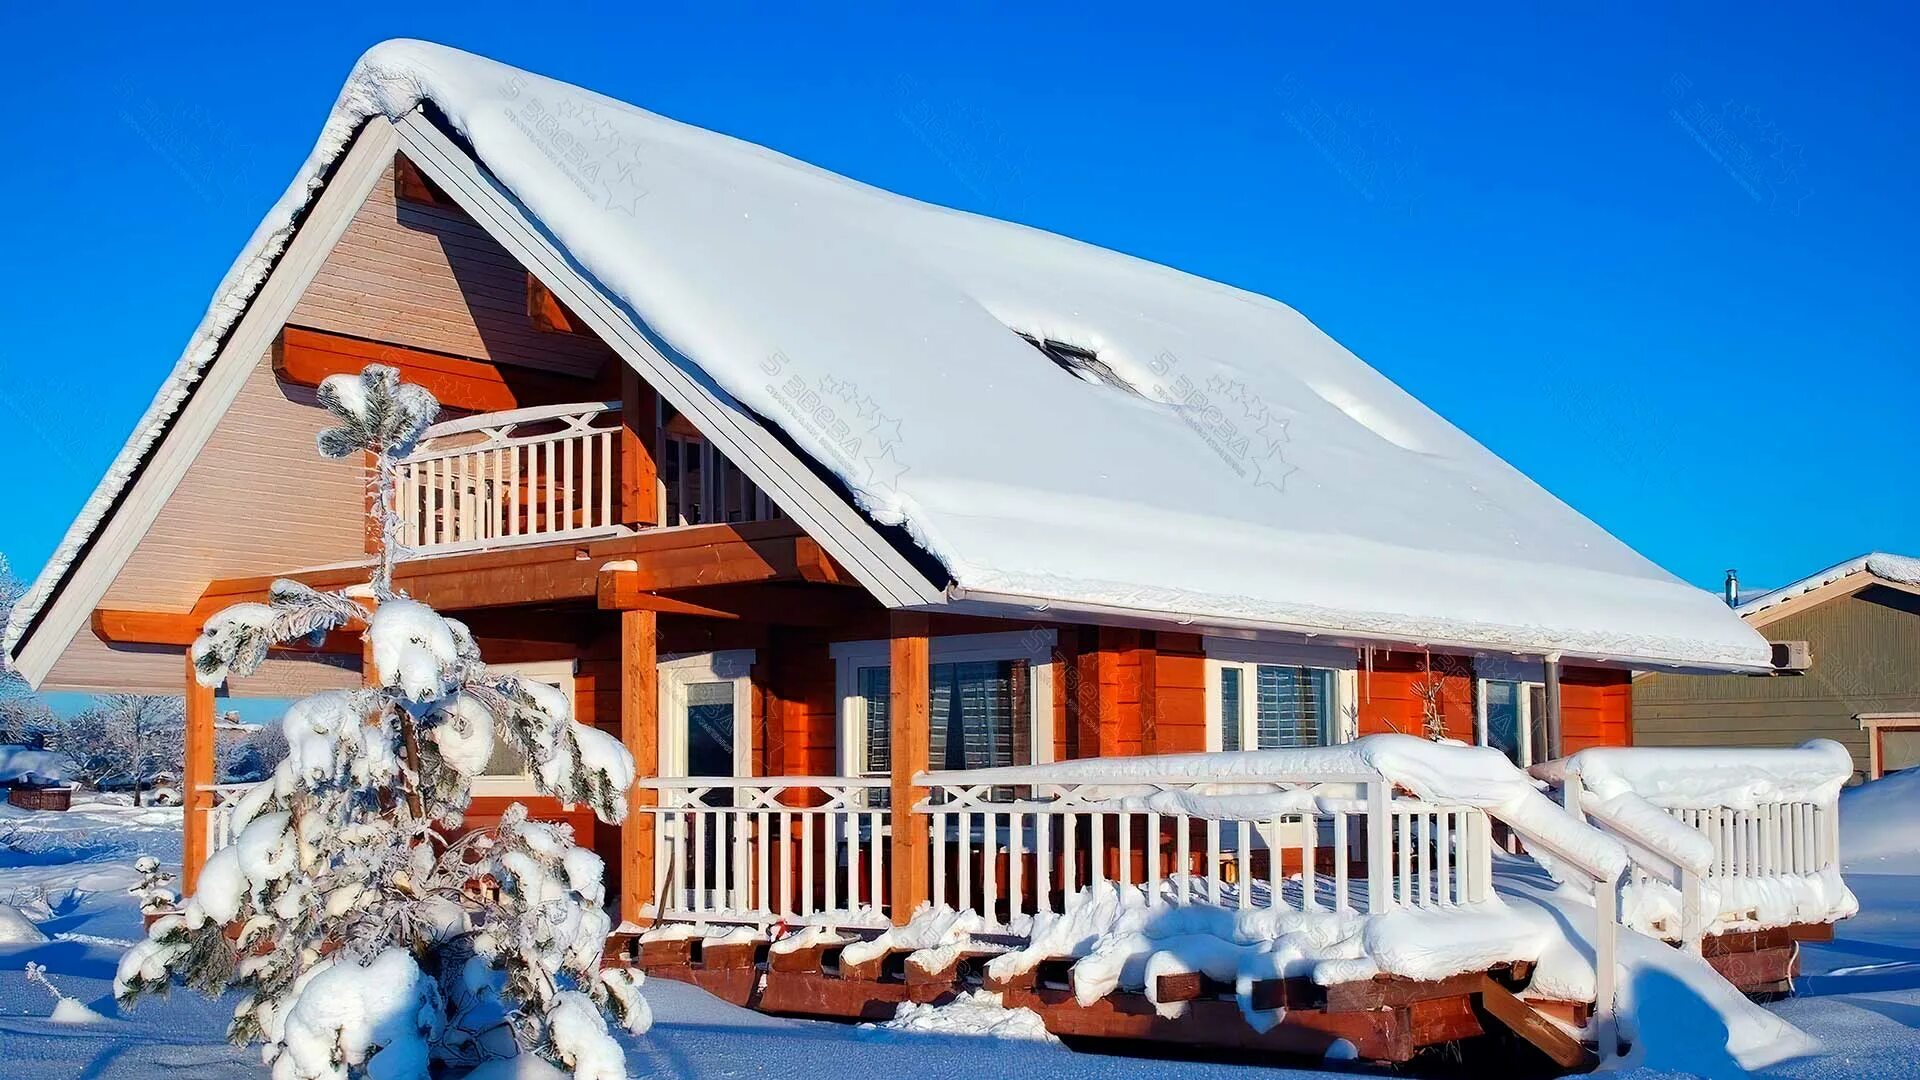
1246, 656
1036, 647
562, 675
679, 670
1526, 676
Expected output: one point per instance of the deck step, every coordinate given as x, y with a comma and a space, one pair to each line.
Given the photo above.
1545, 1035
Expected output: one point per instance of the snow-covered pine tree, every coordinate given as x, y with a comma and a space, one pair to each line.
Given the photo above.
368, 940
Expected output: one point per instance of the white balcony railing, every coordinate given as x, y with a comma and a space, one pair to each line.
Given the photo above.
530, 475
553, 473
792, 849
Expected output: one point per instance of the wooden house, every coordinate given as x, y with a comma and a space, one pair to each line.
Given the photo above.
824, 500
1847, 641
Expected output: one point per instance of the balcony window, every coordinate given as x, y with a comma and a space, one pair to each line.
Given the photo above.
1262, 697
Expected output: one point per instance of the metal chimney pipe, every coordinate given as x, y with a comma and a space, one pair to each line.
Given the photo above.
1733, 588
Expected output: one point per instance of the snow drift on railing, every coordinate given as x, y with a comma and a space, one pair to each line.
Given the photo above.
1699, 778
1443, 773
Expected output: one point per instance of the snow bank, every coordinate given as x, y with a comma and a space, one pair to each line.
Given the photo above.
798, 293
976, 1012
17, 929
1880, 825
377, 1018
1706, 777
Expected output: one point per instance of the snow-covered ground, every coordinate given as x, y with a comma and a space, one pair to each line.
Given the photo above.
68, 873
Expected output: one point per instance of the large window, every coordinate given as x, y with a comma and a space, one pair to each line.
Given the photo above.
507, 772
1272, 697
990, 702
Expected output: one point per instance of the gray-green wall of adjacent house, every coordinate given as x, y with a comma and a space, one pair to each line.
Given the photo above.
1866, 659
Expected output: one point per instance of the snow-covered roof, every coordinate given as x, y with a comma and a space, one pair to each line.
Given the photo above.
1901, 569
1240, 468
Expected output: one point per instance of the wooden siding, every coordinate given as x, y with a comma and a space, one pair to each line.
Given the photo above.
430, 278
1390, 694
1866, 658
257, 500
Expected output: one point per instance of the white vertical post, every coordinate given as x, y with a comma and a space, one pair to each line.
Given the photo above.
1379, 848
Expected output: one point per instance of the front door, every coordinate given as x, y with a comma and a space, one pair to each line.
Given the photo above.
705, 732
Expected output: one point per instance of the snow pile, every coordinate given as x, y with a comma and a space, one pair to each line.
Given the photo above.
798, 293
935, 936
19, 763
1880, 825
375, 1019
17, 929
976, 1012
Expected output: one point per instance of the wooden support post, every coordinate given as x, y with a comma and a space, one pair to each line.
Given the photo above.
639, 440
1555, 746
908, 707
640, 731
197, 774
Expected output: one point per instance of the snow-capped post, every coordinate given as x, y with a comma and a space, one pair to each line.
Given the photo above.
370, 935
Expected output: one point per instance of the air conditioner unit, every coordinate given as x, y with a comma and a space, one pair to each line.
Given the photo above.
1791, 657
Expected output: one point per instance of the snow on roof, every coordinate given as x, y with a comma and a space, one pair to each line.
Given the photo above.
1257, 474
1904, 569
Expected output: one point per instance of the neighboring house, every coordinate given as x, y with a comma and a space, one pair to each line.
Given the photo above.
1859, 624
801, 487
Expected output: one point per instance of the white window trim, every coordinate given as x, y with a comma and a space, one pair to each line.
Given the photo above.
1246, 655
1524, 703
1033, 646
560, 674
680, 671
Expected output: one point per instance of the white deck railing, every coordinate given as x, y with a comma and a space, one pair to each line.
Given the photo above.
1010, 842
792, 849
220, 830
1751, 838
526, 476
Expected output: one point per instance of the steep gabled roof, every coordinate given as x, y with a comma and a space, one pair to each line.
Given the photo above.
1230, 466
1896, 570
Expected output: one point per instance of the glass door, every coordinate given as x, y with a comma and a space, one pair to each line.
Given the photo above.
706, 731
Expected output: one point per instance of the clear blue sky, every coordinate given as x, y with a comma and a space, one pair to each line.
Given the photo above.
1664, 263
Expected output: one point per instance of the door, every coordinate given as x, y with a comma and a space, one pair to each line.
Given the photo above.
706, 718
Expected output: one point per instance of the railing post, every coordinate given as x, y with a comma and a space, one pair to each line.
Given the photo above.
1379, 847
908, 708
1606, 919
640, 732
195, 777
1572, 792
1692, 921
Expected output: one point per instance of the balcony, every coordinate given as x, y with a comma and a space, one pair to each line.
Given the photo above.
551, 473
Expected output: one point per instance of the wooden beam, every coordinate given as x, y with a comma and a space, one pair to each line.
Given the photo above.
689, 557
639, 436
306, 357
910, 719
195, 775
119, 627
616, 593
640, 732
1546, 1036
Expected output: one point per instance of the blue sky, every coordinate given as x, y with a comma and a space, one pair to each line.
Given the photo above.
1664, 263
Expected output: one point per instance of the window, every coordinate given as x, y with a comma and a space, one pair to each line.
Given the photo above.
991, 702
1081, 363
1272, 697
1513, 717
506, 772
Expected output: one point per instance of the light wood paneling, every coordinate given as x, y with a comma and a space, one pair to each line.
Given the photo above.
430, 278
